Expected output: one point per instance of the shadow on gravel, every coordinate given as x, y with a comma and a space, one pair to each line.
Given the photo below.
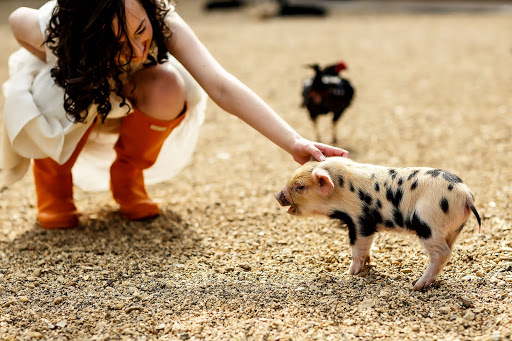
109, 233
329, 298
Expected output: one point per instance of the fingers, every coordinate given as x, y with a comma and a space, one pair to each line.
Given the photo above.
317, 154
331, 151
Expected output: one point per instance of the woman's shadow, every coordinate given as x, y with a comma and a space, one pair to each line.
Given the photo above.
107, 233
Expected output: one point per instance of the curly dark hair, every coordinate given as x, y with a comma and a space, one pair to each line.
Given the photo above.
81, 35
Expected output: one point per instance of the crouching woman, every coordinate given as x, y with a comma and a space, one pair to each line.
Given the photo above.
124, 72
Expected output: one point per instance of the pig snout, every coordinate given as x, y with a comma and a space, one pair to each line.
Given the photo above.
282, 198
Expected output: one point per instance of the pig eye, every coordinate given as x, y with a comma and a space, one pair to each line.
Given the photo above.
300, 187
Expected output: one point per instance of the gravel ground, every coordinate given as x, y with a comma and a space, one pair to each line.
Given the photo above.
225, 261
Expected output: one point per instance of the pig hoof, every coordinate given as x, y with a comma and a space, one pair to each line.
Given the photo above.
354, 270
421, 284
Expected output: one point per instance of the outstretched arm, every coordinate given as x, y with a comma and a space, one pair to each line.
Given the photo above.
234, 97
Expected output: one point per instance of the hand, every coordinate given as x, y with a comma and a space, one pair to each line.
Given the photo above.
305, 150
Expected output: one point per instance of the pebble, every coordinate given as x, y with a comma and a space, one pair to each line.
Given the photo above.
8, 303
58, 300
349, 322
130, 309
466, 302
384, 293
61, 324
160, 326
496, 336
246, 267
445, 310
469, 316
415, 328
50, 325
406, 270
35, 335
366, 304
37, 272
478, 310
23, 299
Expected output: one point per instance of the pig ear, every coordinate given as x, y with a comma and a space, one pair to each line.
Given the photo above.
323, 181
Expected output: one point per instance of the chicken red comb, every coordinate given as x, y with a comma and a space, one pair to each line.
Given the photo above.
341, 66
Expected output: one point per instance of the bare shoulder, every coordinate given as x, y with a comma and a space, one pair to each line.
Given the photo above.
24, 24
24, 20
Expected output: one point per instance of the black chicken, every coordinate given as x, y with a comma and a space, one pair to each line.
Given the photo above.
327, 92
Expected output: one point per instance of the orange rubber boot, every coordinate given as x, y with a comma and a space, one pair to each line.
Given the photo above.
140, 139
54, 189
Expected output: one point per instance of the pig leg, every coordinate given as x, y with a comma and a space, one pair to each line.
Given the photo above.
360, 254
334, 132
439, 252
450, 239
335, 119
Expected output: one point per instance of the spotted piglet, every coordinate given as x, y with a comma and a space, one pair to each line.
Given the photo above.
433, 204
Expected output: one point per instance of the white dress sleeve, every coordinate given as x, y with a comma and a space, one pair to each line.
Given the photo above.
34, 117
44, 14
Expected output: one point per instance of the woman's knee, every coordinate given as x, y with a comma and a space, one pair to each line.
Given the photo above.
159, 92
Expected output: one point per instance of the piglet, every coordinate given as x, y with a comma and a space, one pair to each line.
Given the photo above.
433, 204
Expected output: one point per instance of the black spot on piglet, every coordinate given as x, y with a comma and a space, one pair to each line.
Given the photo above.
413, 174
389, 223
433, 172
414, 185
345, 218
444, 205
398, 217
365, 197
368, 221
395, 197
451, 178
421, 228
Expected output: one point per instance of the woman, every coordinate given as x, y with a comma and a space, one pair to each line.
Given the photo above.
110, 61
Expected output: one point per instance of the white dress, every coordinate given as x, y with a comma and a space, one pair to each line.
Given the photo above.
35, 124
